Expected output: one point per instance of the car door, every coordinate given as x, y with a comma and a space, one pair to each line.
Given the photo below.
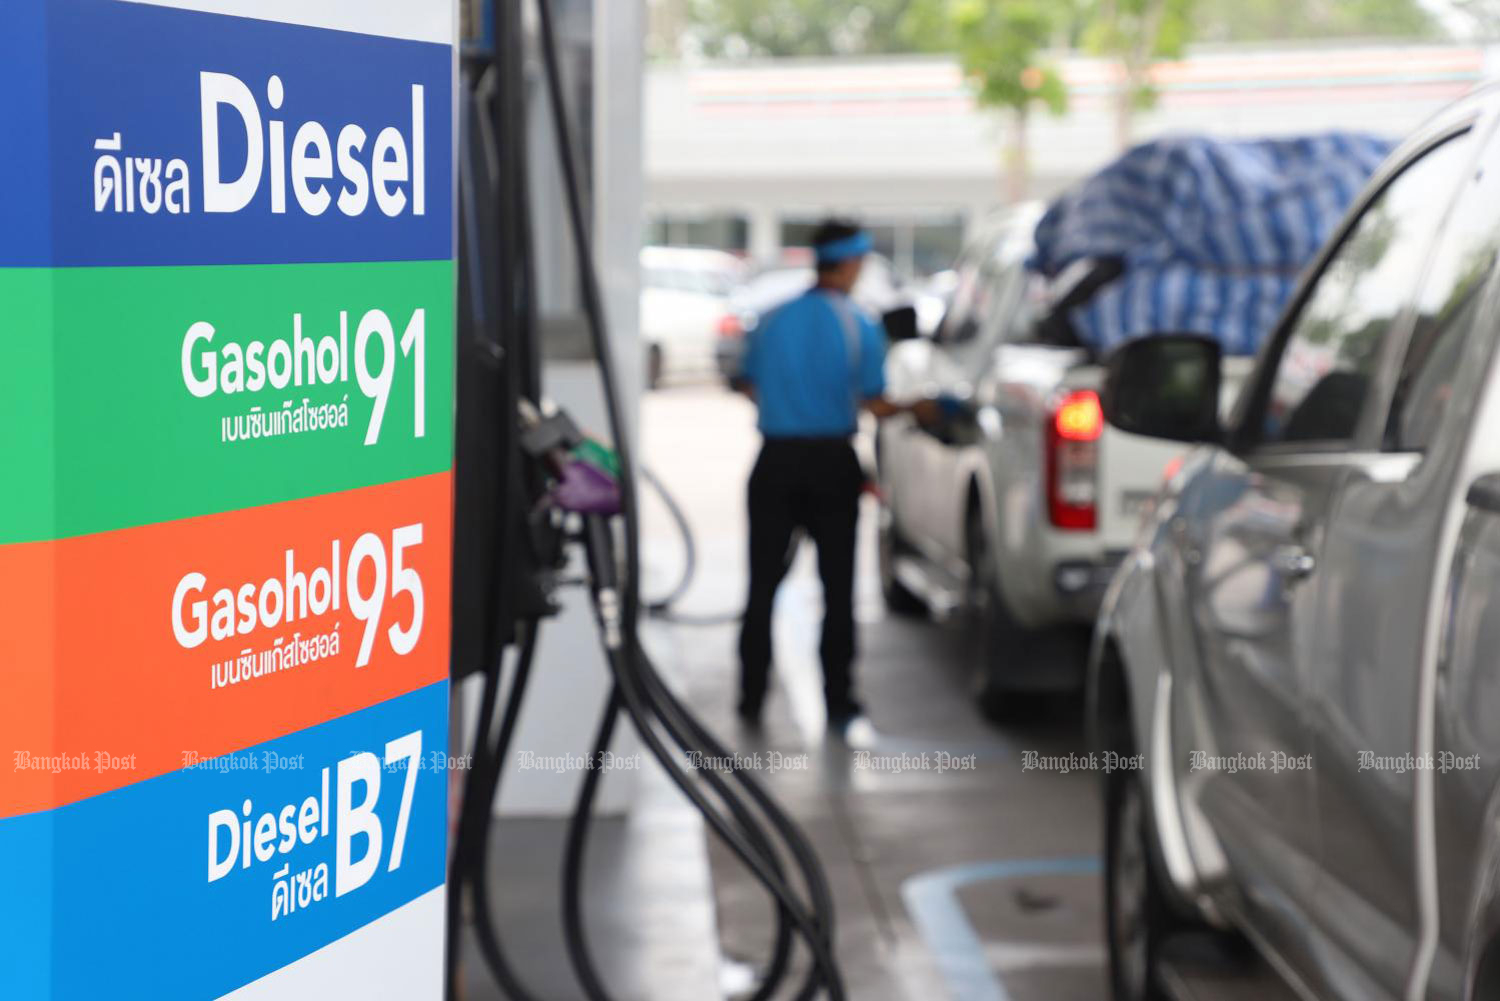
953, 447
1379, 601
1253, 530
911, 454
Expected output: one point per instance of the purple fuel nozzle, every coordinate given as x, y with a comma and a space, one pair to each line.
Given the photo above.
585, 489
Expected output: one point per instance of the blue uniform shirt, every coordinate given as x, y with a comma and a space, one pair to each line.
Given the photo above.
805, 382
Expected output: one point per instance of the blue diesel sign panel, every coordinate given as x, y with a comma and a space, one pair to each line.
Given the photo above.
225, 542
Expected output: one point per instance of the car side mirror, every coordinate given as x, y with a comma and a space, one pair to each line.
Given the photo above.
1165, 386
900, 324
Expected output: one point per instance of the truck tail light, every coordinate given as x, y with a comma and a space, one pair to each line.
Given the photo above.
1073, 461
1174, 466
730, 325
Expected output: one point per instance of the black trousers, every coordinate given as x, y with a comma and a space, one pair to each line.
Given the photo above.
814, 484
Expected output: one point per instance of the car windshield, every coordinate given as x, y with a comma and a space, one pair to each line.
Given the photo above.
714, 282
700, 280
772, 287
876, 290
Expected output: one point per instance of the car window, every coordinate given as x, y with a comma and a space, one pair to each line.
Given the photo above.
959, 321
1328, 358
960, 312
771, 288
971, 294
1000, 308
718, 283
1023, 320
1446, 312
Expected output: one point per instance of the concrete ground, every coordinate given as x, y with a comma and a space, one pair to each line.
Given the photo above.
957, 872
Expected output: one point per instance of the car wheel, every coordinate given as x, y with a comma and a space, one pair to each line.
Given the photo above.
1137, 918
899, 599
654, 365
997, 638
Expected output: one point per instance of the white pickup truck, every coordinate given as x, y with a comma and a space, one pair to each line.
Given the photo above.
1019, 508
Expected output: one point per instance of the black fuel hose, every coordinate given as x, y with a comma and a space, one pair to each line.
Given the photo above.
574, 859
689, 733
493, 188
485, 929
619, 612
663, 608
796, 841
574, 866
627, 665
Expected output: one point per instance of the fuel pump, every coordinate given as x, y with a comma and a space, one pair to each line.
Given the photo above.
562, 489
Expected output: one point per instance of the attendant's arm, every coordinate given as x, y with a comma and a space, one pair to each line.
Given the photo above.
926, 411
872, 381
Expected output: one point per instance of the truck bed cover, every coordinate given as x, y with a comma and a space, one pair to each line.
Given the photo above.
1212, 233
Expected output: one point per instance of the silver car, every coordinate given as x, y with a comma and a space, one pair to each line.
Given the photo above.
1018, 509
1295, 682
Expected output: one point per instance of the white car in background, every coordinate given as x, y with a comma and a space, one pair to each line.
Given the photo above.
878, 291
1019, 508
685, 308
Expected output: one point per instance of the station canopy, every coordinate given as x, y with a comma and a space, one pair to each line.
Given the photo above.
1200, 235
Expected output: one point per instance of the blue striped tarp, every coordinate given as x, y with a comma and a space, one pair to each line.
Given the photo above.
1212, 233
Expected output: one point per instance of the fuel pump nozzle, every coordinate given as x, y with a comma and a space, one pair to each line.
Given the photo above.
585, 472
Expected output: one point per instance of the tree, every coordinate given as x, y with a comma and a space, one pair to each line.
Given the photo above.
873, 27
667, 23
1000, 46
1283, 20
1137, 33
740, 28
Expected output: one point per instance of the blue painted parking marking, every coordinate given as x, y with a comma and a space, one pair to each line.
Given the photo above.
931, 899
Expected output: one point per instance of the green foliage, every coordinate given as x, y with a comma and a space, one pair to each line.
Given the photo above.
999, 45
818, 27
1137, 33
1153, 28
929, 25
873, 27
1277, 20
997, 41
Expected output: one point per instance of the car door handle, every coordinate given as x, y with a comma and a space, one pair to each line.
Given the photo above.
1293, 562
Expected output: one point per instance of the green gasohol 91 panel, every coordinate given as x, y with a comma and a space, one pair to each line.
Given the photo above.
173, 392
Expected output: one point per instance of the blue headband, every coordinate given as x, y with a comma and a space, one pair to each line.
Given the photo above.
841, 250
